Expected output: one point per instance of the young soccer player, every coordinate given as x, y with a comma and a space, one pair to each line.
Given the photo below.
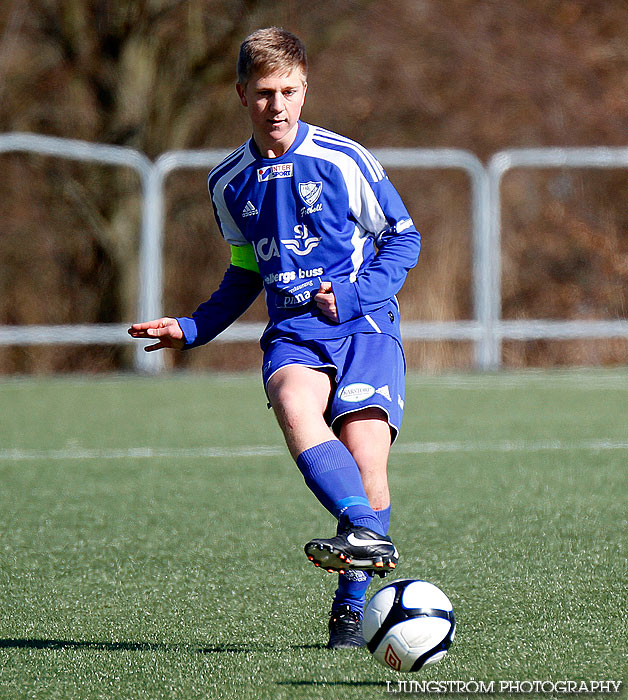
312, 218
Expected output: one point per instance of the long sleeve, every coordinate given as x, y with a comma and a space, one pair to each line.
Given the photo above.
237, 291
383, 277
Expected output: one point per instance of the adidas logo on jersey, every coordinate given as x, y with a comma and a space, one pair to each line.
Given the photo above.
249, 209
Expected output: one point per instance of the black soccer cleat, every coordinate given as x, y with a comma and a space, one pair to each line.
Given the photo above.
345, 629
354, 547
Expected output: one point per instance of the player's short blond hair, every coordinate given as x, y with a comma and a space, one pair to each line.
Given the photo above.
270, 50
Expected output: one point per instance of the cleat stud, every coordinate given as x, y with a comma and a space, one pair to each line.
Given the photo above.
330, 571
316, 563
310, 557
379, 564
341, 571
392, 565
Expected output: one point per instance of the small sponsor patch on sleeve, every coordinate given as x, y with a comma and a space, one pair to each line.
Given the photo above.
404, 224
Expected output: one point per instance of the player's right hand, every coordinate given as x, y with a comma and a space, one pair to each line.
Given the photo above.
326, 301
166, 329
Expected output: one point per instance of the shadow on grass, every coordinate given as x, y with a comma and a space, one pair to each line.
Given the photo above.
146, 646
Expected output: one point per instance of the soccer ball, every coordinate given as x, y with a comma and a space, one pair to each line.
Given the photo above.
409, 624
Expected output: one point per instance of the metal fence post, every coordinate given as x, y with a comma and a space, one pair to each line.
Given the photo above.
71, 149
499, 165
151, 265
482, 330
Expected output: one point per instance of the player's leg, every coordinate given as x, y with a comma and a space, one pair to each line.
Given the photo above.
364, 385
367, 436
367, 426
299, 396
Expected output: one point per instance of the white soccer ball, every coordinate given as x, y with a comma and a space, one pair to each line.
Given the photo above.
409, 624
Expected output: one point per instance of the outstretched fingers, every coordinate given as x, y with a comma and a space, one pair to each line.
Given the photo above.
167, 330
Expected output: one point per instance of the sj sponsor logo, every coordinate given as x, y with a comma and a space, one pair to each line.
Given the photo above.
302, 244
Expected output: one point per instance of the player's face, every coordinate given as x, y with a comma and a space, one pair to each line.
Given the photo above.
274, 103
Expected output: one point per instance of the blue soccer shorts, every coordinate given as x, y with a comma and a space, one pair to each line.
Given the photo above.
367, 369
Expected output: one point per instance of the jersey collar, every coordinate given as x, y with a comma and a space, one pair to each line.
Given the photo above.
300, 137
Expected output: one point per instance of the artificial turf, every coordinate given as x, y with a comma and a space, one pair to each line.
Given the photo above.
152, 532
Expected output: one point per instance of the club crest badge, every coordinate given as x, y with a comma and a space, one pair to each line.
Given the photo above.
310, 192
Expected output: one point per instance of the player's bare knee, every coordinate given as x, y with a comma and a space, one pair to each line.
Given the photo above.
368, 413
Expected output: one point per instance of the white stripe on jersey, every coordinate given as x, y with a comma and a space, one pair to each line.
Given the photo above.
229, 159
230, 230
357, 257
363, 203
373, 165
372, 322
371, 162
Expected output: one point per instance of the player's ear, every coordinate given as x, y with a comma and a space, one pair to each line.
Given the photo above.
241, 94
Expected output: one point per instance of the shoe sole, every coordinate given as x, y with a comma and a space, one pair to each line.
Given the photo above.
333, 560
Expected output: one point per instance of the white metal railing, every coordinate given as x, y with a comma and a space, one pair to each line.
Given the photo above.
445, 158
499, 165
71, 149
487, 329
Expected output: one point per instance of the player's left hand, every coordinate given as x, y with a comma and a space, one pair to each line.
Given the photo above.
166, 330
326, 301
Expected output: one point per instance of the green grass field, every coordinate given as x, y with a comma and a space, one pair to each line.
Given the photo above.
130, 507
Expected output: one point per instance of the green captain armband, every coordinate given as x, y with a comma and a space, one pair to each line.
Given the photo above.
244, 256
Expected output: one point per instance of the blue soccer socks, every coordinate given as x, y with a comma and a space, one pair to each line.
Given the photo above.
352, 585
384, 519
332, 474
351, 591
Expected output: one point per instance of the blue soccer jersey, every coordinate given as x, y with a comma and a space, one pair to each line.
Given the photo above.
323, 211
